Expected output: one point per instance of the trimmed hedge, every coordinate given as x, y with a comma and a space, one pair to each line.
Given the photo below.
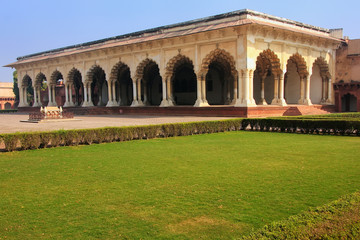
337, 220
35, 140
8, 110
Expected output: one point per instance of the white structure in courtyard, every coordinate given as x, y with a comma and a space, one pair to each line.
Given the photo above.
242, 58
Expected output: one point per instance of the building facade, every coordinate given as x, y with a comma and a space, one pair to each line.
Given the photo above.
242, 59
7, 96
347, 81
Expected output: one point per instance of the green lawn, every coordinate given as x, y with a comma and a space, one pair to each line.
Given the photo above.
211, 186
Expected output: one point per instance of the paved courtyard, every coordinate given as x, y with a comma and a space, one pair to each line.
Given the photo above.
11, 122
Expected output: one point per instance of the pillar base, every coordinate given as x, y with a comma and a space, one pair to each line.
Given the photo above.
275, 101
328, 102
307, 102
36, 104
262, 102
69, 104
112, 104
23, 105
137, 103
245, 103
87, 104
323, 101
166, 103
52, 104
282, 102
201, 103
301, 101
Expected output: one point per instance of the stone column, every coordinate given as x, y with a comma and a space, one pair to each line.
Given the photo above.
90, 102
276, 91
233, 102
21, 96
164, 102
262, 100
324, 88
67, 102
49, 95
201, 92
71, 94
248, 100
302, 86
36, 101
26, 103
135, 102
140, 102
307, 100
239, 99
114, 92
111, 93
53, 95
282, 101
329, 93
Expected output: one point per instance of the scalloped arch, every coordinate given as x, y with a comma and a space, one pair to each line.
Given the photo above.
324, 67
139, 74
268, 60
72, 73
221, 56
300, 64
55, 76
92, 71
117, 69
174, 63
39, 77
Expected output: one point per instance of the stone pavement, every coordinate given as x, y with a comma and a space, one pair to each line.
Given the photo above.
11, 122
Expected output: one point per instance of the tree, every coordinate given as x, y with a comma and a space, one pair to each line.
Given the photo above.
15, 86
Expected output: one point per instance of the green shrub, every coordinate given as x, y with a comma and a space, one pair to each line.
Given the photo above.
10, 141
324, 222
29, 140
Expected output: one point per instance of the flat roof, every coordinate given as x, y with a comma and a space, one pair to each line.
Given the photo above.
165, 32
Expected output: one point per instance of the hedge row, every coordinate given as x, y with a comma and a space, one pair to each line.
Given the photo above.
337, 220
8, 110
35, 140
312, 126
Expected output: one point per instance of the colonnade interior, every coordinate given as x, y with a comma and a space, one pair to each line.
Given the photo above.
217, 82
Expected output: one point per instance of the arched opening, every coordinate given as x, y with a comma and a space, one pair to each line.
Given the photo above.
57, 81
265, 82
7, 106
151, 82
217, 85
99, 87
29, 90
120, 74
184, 83
316, 85
292, 84
348, 103
42, 92
318, 80
219, 67
296, 72
77, 87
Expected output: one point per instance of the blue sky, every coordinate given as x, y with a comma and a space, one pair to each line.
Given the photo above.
30, 26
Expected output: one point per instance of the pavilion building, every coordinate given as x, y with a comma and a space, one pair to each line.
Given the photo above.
239, 60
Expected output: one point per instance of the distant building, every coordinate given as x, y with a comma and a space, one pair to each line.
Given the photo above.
347, 81
7, 96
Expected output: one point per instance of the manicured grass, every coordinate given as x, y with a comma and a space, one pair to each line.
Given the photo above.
211, 186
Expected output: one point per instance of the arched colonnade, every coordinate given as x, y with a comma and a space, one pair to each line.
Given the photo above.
216, 81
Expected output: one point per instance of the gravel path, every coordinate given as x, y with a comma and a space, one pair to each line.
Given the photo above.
11, 122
